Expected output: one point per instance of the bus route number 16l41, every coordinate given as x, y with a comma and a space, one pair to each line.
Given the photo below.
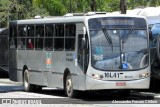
113, 75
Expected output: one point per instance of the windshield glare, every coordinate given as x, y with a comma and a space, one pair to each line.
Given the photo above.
117, 49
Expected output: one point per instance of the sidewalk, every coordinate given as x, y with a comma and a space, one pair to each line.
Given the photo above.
9, 82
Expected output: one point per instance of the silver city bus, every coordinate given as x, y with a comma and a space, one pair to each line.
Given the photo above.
80, 53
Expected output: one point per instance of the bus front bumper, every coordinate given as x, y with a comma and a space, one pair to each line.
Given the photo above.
93, 84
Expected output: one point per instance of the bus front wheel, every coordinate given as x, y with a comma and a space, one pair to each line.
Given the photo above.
27, 86
69, 87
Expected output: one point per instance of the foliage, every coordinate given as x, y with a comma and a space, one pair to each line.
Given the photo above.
24, 9
18, 9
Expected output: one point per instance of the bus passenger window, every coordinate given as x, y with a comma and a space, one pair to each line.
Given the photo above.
48, 44
21, 43
39, 43
13, 37
59, 44
39, 37
59, 30
13, 43
40, 31
49, 31
59, 37
21, 31
30, 31
70, 44
48, 41
70, 30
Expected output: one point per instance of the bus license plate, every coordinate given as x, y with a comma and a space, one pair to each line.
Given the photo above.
113, 75
120, 83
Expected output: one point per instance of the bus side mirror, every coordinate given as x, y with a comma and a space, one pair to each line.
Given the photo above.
150, 35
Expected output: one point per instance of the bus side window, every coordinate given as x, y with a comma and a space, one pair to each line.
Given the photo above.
21, 43
30, 43
21, 37
13, 37
30, 37
59, 37
59, 44
70, 30
59, 30
70, 33
39, 37
49, 32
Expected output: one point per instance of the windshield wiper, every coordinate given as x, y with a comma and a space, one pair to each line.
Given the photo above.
108, 37
124, 38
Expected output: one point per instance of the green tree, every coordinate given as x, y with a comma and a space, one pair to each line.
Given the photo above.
4, 12
54, 7
19, 9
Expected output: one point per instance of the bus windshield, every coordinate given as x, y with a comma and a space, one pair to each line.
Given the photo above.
118, 44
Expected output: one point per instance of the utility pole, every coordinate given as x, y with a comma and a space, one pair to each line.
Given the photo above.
123, 6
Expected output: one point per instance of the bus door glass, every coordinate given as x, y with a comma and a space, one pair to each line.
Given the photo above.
83, 52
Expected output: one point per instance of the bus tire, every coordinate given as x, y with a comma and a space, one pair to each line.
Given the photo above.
71, 93
38, 88
158, 48
27, 86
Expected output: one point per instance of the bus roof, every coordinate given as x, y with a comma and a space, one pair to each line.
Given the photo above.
66, 19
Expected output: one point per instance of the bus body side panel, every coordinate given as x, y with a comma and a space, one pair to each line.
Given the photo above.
81, 81
71, 64
54, 76
13, 65
33, 60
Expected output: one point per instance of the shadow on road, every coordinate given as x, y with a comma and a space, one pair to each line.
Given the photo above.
3, 74
6, 89
84, 97
99, 98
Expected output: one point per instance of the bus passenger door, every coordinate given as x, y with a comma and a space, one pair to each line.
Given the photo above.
83, 59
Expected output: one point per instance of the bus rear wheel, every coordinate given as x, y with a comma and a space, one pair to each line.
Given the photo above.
69, 87
27, 86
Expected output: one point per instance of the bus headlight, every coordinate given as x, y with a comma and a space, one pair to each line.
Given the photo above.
144, 75
97, 76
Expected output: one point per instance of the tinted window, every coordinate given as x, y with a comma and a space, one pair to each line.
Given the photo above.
155, 33
70, 33
39, 37
49, 33
13, 37
59, 37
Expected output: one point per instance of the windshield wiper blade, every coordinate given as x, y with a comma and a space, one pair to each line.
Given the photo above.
127, 36
108, 37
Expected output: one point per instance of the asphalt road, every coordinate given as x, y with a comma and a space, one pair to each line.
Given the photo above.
9, 89
14, 91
